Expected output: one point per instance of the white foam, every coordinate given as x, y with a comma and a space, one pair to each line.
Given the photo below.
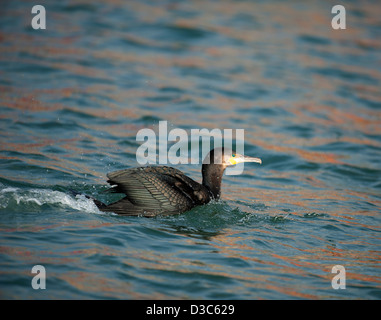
47, 196
9, 189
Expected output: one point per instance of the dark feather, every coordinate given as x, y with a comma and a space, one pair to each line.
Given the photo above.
155, 190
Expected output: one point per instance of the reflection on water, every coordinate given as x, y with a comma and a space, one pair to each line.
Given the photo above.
73, 97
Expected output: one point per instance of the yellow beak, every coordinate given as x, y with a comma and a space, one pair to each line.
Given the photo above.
239, 158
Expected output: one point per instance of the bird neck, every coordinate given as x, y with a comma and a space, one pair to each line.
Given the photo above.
212, 177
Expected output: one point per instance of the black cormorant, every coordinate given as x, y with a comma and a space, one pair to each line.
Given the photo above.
162, 190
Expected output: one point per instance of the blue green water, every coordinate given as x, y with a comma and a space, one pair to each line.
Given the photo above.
73, 96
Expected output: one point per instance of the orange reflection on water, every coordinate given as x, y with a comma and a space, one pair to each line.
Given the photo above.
369, 122
52, 161
29, 102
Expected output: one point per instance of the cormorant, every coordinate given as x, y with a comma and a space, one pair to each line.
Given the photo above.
162, 190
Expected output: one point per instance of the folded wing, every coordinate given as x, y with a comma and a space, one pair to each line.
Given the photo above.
155, 190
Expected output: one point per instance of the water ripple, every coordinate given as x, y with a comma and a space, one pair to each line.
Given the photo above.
73, 97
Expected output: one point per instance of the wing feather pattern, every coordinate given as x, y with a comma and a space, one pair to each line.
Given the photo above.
155, 190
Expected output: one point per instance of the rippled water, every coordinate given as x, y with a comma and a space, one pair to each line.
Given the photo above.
73, 97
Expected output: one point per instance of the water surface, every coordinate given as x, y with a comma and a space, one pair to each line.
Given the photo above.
73, 97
